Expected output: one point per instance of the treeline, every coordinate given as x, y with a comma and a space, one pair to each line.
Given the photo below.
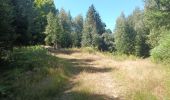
143, 33
131, 34
64, 31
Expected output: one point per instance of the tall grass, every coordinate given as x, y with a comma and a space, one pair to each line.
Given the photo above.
34, 74
114, 55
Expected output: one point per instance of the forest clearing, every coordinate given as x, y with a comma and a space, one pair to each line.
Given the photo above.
94, 50
86, 74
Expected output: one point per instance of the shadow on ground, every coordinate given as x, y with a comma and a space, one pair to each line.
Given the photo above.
84, 65
62, 51
76, 67
86, 96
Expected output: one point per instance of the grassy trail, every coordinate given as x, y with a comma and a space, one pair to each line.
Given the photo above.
100, 77
82, 74
92, 79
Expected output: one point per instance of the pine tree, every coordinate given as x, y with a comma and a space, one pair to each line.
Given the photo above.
122, 36
65, 22
77, 31
53, 30
93, 27
86, 36
30, 20
141, 31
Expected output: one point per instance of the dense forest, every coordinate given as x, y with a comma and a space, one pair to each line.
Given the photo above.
145, 33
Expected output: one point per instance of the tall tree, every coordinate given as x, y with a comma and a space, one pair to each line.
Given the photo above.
23, 20
42, 9
123, 39
86, 36
65, 22
139, 33
53, 30
94, 21
93, 28
141, 45
77, 30
30, 19
6, 30
157, 15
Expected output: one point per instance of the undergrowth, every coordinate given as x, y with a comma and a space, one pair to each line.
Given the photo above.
33, 74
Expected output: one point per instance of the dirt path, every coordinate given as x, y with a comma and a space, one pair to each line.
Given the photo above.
98, 77
93, 77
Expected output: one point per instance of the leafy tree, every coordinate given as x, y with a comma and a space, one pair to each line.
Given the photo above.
161, 53
157, 15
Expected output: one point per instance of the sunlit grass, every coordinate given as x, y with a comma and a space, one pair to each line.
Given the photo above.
143, 79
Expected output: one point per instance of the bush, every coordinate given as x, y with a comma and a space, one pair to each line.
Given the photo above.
161, 53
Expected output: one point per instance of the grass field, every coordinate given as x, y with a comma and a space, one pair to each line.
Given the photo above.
82, 74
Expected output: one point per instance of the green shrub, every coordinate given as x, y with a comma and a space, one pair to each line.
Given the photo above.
161, 53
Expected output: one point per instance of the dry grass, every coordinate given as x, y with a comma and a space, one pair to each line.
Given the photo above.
127, 78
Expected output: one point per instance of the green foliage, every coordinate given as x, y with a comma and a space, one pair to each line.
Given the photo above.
94, 21
93, 29
6, 28
86, 37
141, 32
28, 57
53, 30
96, 40
157, 14
77, 31
30, 20
34, 74
123, 37
161, 53
131, 34
108, 39
65, 22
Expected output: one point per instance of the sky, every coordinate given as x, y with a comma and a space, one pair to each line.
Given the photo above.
109, 10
